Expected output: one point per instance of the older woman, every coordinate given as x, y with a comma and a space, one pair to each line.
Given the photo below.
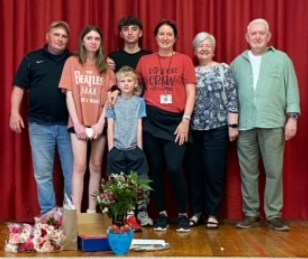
214, 122
169, 80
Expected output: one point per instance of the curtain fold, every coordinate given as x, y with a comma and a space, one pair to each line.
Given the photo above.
24, 26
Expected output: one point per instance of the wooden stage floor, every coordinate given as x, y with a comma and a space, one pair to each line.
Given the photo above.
225, 242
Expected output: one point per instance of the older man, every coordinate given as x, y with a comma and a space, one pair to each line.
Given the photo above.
39, 73
268, 93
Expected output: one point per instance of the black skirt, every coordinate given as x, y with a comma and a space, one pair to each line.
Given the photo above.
162, 124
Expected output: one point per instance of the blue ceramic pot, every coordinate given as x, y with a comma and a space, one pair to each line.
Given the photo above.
120, 242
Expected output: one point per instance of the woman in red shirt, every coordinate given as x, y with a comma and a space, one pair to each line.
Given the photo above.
169, 80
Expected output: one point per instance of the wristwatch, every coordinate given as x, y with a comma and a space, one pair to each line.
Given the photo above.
186, 117
294, 115
233, 125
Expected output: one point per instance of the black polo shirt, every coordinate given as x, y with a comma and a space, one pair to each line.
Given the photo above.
40, 73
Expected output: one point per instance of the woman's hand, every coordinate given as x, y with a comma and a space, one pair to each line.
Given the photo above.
112, 98
111, 63
80, 131
181, 132
233, 133
97, 130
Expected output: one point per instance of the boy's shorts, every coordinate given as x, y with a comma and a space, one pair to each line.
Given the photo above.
126, 161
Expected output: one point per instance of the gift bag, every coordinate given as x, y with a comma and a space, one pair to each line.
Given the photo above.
70, 226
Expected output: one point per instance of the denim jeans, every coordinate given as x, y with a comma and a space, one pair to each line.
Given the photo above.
44, 140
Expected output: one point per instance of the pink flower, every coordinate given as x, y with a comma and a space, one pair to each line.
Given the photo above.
14, 228
49, 228
50, 217
29, 246
44, 232
40, 238
103, 196
16, 238
46, 248
22, 248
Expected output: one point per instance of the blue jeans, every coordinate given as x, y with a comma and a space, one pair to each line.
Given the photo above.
44, 140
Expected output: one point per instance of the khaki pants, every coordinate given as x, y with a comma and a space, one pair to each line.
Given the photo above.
270, 143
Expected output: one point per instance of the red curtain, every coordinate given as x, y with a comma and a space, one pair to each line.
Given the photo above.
23, 29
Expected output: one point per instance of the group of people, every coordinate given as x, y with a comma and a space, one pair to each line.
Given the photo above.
163, 111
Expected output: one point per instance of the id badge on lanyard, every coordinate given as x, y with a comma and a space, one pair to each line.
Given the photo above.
166, 99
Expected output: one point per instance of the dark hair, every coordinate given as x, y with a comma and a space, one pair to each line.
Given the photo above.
100, 62
169, 23
130, 20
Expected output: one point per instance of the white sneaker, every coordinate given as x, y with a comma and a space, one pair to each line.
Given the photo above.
91, 211
143, 217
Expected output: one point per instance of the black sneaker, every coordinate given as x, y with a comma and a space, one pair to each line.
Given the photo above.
161, 223
183, 225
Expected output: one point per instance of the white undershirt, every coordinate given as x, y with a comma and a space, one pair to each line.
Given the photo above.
255, 62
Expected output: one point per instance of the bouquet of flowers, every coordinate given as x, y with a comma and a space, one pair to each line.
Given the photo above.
44, 237
120, 194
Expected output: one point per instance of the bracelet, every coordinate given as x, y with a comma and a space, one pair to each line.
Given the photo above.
186, 117
234, 125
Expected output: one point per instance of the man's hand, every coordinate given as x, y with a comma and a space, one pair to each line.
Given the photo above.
16, 123
290, 129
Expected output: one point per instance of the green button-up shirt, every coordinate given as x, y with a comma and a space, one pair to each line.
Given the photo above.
276, 92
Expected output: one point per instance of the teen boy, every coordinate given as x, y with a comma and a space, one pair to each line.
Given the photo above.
131, 31
125, 137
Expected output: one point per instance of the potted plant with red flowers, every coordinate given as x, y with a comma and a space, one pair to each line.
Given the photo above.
117, 196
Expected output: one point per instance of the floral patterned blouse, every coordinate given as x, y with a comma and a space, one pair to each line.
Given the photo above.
210, 110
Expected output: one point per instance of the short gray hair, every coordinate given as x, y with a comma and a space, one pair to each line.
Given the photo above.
259, 21
202, 36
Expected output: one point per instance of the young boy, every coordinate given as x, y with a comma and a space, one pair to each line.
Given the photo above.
125, 137
130, 28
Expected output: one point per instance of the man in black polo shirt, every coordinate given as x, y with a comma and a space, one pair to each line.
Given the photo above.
39, 73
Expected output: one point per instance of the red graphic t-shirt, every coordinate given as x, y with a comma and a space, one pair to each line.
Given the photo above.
89, 89
166, 76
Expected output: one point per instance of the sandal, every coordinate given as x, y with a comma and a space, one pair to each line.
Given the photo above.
210, 224
199, 221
